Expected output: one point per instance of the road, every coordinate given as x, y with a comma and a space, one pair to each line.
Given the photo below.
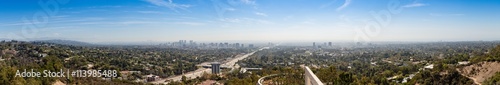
232, 62
198, 73
261, 79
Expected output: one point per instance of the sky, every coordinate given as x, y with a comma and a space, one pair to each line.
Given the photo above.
250, 20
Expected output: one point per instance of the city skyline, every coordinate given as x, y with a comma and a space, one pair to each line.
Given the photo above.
251, 20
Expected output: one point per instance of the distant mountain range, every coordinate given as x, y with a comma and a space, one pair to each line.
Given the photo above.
66, 42
1, 39
81, 43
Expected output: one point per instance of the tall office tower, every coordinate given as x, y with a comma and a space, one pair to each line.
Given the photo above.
314, 44
330, 44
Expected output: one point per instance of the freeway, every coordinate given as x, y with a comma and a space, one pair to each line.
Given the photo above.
232, 62
199, 72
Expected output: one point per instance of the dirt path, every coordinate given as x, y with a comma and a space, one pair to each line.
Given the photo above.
480, 72
472, 78
58, 83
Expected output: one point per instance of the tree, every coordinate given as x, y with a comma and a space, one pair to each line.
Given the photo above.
33, 81
494, 80
8, 76
346, 78
184, 79
52, 63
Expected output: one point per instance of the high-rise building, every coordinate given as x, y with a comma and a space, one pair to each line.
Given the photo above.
314, 44
330, 44
250, 46
215, 68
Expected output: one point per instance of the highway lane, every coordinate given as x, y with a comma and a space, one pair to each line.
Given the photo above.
199, 72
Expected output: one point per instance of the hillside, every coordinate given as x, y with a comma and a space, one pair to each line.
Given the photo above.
480, 72
483, 67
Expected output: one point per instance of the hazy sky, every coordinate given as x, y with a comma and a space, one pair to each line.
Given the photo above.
251, 20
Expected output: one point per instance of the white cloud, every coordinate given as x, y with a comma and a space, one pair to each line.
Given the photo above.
151, 12
251, 2
189, 23
61, 19
92, 7
15, 24
288, 17
308, 22
414, 5
256, 21
230, 20
346, 3
137, 22
169, 4
56, 34
260, 14
246, 21
439, 14
118, 23
265, 22
231, 9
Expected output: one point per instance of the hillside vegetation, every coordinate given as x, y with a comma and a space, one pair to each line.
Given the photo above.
485, 69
